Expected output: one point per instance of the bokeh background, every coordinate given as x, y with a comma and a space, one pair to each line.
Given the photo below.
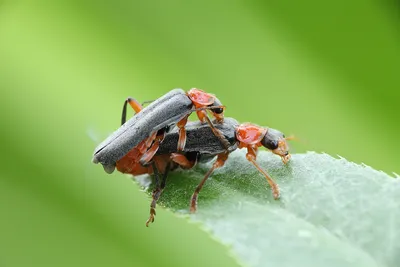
327, 72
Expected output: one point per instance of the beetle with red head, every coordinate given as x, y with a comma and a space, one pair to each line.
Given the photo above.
153, 121
251, 136
206, 146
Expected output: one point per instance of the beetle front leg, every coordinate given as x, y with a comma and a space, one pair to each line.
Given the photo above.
252, 156
217, 164
149, 141
201, 114
146, 157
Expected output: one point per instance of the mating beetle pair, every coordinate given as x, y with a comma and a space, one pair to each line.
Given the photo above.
160, 134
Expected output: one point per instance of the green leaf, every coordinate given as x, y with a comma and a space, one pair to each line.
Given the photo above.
331, 213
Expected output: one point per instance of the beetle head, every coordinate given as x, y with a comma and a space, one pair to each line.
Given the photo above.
275, 141
218, 111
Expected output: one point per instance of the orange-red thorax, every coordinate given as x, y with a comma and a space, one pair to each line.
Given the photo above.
200, 98
250, 134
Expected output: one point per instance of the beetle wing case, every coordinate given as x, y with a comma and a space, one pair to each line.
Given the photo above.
201, 139
165, 111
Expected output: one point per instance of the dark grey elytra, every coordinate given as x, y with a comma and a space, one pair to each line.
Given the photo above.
201, 139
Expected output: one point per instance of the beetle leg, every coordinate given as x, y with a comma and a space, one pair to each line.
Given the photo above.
203, 117
153, 206
201, 114
218, 133
182, 133
137, 107
146, 157
217, 164
149, 141
251, 156
157, 191
182, 160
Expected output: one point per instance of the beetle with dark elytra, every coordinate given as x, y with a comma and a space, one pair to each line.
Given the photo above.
246, 135
152, 122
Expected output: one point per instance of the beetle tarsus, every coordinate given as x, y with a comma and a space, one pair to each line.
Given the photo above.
151, 218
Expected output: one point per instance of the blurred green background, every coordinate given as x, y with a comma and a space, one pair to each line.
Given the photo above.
327, 72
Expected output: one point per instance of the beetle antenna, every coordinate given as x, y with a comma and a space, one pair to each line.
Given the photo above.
147, 102
291, 137
297, 139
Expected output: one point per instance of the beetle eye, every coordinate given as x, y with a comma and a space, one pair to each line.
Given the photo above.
270, 144
217, 110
